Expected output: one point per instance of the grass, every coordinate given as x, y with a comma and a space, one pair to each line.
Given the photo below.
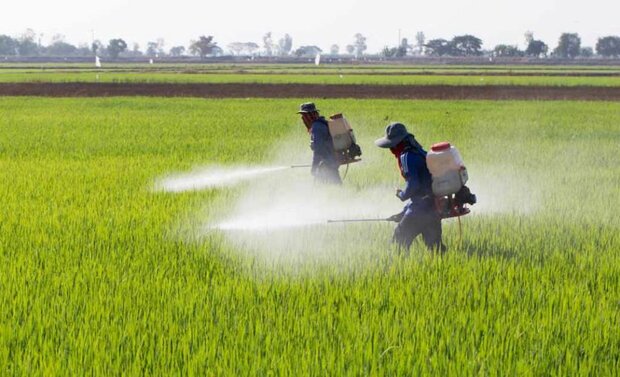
97, 280
288, 78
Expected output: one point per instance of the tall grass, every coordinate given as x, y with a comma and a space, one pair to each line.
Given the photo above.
96, 279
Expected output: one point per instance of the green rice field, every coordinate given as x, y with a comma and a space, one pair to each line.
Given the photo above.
305, 74
100, 274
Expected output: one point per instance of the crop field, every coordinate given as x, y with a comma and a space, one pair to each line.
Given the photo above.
331, 79
102, 272
304, 74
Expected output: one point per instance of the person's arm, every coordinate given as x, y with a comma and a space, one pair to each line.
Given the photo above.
409, 166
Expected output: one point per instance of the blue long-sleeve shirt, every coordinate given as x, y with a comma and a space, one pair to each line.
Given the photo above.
418, 181
322, 145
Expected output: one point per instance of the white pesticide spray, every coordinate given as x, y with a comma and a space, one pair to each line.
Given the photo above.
284, 219
212, 177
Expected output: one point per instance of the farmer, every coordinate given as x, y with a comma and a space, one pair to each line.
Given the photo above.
324, 161
419, 215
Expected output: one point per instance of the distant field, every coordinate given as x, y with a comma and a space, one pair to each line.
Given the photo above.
99, 275
311, 68
308, 74
251, 78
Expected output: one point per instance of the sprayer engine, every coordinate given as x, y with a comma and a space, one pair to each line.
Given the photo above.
454, 205
343, 138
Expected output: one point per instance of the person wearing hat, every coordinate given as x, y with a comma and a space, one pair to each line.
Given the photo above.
419, 215
324, 162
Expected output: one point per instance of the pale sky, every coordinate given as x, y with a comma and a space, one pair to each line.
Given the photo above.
320, 22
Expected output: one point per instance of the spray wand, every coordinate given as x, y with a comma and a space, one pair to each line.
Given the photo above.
395, 218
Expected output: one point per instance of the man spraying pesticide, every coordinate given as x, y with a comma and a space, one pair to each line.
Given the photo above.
435, 187
332, 142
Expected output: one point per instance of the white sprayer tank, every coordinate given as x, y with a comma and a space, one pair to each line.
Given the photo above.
447, 169
341, 132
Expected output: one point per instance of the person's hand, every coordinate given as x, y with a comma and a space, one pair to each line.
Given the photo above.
396, 218
398, 192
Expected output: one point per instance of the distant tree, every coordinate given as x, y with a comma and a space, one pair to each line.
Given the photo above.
116, 47
466, 45
26, 45
536, 49
507, 51
96, 47
569, 46
420, 38
439, 47
8, 45
217, 51
151, 49
608, 46
268, 44
285, 44
360, 44
389, 52
135, 50
586, 52
307, 51
350, 49
243, 48
177, 51
155, 48
61, 48
404, 48
235, 47
203, 46
250, 48
334, 49
83, 49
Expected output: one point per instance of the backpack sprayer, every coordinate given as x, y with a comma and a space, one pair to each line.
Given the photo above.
343, 138
449, 176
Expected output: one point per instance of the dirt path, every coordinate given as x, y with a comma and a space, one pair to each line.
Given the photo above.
310, 91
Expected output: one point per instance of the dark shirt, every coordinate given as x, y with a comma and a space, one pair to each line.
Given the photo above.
418, 187
322, 145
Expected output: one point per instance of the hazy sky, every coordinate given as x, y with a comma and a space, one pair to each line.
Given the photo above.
320, 22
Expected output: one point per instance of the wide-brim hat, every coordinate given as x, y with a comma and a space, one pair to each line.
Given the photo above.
306, 108
394, 134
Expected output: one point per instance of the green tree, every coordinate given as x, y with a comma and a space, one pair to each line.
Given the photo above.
285, 45
608, 46
177, 51
586, 52
536, 48
203, 46
116, 47
26, 45
439, 47
569, 46
8, 45
360, 44
420, 38
268, 44
507, 51
61, 48
467, 45
96, 47
307, 51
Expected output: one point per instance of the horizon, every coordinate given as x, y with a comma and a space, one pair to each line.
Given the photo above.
485, 19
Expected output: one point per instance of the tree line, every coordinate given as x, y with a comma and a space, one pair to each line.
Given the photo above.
568, 47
